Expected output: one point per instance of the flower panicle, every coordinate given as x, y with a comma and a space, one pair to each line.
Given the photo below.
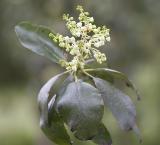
86, 38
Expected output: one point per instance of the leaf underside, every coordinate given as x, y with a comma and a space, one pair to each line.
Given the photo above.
120, 105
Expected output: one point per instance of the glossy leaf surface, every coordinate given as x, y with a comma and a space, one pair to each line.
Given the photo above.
36, 38
81, 107
50, 121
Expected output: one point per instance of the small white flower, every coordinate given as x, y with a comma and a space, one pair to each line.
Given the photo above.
60, 37
73, 40
108, 39
84, 28
102, 38
79, 24
95, 30
71, 18
97, 44
74, 68
74, 61
66, 39
91, 19
101, 43
78, 33
73, 23
88, 44
62, 44
89, 26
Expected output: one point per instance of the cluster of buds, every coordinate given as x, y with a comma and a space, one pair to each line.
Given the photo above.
72, 65
86, 37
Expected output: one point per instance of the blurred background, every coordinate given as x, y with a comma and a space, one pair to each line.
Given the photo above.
134, 50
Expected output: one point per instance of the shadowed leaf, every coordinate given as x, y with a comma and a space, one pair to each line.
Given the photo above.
50, 121
120, 105
103, 136
81, 107
110, 75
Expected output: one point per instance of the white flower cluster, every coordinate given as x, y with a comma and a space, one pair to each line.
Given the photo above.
73, 65
86, 37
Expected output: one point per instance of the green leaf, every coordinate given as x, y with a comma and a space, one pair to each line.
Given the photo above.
67, 81
110, 75
103, 136
101, 74
36, 38
81, 107
120, 105
50, 121
92, 63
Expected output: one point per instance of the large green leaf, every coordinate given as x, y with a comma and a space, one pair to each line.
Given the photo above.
103, 136
120, 105
81, 106
36, 38
110, 75
50, 121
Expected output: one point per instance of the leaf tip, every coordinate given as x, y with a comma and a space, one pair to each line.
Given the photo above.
138, 133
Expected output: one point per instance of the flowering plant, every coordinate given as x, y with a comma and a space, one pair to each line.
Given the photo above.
78, 104
82, 45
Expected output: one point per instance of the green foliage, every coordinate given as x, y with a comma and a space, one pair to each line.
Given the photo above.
120, 105
103, 136
78, 104
50, 121
110, 75
36, 39
82, 108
